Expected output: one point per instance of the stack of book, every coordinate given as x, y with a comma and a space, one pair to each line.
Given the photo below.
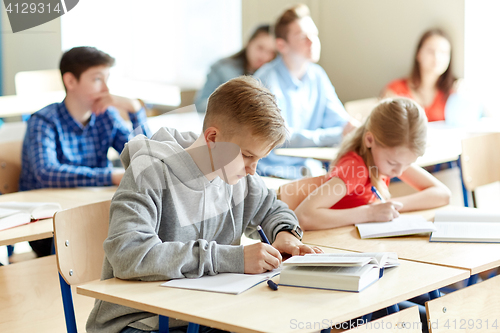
346, 272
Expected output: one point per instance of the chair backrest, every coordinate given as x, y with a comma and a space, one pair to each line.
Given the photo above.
480, 160
295, 192
33, 82
10, 166
407, 320
78, 237
361, 108
454, 312
31, 298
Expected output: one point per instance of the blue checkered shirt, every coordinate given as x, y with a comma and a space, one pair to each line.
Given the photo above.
60, 152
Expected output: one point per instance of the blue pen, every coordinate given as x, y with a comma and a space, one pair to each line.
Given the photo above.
262, 235
377, 194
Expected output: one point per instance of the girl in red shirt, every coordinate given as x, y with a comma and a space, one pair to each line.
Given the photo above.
431, 80
384, 147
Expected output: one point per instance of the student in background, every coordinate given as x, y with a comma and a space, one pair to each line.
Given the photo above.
66, 144
163, 237
259, 50
313, 113
431, 80
384, 147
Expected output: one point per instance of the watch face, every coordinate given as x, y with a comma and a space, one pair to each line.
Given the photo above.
299, 231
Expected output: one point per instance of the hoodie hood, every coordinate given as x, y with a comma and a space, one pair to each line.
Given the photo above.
161, 163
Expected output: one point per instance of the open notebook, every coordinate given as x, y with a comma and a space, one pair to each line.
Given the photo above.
228, 283
401, 226
13, 213
471, 226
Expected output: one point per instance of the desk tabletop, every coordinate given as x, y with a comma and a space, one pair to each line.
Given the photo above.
443, 145
15, 105
289, 309
68, 198
475, 257
433, 155
275, 183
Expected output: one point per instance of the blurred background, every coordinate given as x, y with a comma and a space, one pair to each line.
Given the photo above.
365, 43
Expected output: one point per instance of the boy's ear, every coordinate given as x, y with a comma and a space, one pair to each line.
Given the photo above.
281, 45
211, 134
69, 80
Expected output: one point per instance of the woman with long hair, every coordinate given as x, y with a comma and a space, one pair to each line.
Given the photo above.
431, 80
259, 50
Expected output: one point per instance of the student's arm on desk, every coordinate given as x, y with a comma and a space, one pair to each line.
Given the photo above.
49, 171
431, 192
273, 215
314, 213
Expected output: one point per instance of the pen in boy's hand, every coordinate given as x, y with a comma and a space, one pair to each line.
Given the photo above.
262, 235
377, 194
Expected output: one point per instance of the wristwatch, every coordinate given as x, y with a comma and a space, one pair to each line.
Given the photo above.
294, 230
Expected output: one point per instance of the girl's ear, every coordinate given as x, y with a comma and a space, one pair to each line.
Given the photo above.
369, 139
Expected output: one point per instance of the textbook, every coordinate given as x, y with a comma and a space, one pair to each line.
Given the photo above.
13, 214
401, 226
228, 283
469, 226
345, 271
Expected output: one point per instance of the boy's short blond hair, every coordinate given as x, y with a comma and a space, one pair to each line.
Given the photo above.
243, 105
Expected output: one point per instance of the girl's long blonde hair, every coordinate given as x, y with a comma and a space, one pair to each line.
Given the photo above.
394, 122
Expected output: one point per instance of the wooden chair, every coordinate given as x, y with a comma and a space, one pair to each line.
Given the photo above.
33, 82
472, 309
361, 108
78, 237
407, 320
295, 192
480, 162
10, 166
30, 298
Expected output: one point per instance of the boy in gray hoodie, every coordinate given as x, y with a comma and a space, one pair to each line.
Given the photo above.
185, 201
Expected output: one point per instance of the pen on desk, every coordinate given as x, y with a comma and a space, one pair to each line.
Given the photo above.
262, 235
377, 194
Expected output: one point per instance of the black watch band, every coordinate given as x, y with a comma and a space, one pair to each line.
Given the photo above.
294, 230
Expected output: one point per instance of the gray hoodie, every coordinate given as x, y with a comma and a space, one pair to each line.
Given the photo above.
167, 221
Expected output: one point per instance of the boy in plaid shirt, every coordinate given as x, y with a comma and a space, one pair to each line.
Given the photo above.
66, 144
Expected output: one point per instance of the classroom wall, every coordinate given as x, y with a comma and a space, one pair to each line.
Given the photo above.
367, 43
34, 49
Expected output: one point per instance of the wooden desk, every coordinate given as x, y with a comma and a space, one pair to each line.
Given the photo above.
475, 257
433, 155
443, 145
15, 105
262, 310
275, 183
68, 198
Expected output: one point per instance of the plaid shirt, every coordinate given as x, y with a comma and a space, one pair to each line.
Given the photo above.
60, 152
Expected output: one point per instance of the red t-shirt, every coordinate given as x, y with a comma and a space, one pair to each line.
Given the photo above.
352, 170
434, 112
